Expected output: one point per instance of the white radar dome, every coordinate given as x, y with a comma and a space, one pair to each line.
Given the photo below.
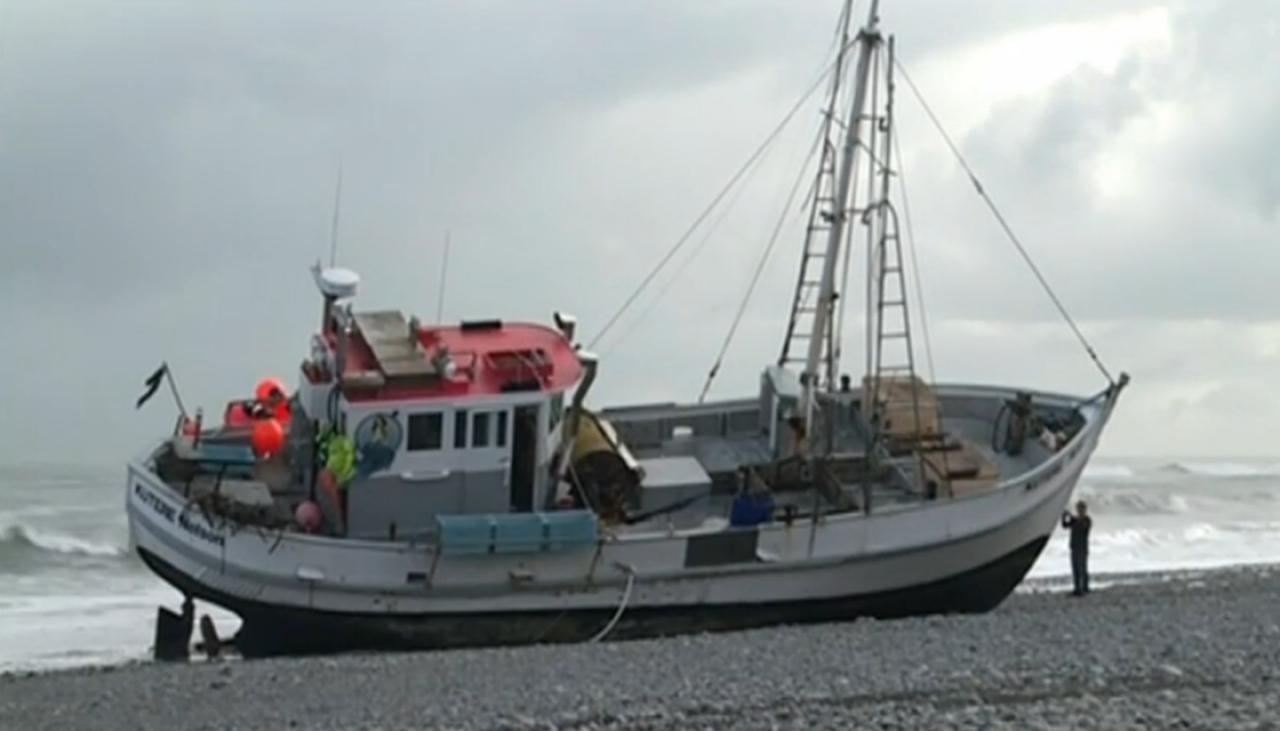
337, 282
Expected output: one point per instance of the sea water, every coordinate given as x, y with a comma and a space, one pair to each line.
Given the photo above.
72, 593
1154, 515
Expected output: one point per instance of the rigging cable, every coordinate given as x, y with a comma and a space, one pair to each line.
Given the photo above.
1026, 257
657, 299
711, 229
915, 264
733, 180
760, 266
924, 317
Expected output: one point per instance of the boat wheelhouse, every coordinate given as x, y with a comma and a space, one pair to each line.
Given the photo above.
444, 420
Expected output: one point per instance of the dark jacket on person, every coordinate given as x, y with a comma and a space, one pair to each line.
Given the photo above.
1079, 531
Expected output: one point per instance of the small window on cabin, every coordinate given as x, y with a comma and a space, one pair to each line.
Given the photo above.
426, 431
557, 411
480, 429
460, 429
501, 439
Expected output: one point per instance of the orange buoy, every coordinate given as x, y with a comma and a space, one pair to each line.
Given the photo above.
270, 390
267, 438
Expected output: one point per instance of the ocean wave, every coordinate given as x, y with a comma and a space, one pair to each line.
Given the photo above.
1134, 502
1265, 527
1107, 472
1201, 532
1223, 469
1181, 536
24, 539
1177, 546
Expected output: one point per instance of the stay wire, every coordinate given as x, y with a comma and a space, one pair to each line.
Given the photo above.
760, 267
1013, 238
915, 263
725, 210
918, 277
742, 170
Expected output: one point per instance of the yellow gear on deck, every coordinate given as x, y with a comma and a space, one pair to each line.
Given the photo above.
596, 436
604, 471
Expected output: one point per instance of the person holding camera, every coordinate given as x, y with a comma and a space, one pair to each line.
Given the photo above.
1079, 525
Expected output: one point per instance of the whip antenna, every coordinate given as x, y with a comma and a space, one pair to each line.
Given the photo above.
337, 211
444, 271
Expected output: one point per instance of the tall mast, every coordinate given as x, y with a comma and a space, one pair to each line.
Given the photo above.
869, 39
820, 206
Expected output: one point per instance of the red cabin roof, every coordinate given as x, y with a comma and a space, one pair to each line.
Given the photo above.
384, 362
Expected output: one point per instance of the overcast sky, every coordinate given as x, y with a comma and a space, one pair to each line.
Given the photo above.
167, 175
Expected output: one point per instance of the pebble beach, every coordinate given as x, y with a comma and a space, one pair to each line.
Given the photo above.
1188, 650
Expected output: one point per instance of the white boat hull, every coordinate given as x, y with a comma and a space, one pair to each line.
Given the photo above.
299, 593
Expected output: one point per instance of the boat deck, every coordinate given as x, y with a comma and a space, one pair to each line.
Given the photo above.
695, 455
727, 436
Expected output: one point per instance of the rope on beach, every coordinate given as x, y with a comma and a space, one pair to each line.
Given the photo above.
1022, 251
622, 607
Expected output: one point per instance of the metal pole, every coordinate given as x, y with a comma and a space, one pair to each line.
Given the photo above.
173, 387
869, 37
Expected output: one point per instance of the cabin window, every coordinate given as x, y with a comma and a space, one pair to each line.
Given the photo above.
501, 438
460, 429
557, 411
426, 431
480, 429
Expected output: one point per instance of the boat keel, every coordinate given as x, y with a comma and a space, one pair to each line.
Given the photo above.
274, 630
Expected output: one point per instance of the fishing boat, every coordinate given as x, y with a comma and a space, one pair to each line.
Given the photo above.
446, 485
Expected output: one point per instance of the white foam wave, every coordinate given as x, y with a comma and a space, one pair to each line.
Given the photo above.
1172, 546
1107, 472
1201, 532
1224, 469
1268, 527
1141, 537
24, 536
1135, 502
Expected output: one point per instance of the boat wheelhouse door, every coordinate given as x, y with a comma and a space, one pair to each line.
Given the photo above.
524, 457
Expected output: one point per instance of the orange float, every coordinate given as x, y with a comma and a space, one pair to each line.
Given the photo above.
268, 438
272, 396
270, 390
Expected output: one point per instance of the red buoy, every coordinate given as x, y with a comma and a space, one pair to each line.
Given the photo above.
237, 415
267, 438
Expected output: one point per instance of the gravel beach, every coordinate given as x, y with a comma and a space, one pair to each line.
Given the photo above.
1193, 650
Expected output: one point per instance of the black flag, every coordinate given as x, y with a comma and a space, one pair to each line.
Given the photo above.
153, 383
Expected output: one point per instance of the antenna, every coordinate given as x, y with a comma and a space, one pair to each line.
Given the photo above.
444, 271
337, 210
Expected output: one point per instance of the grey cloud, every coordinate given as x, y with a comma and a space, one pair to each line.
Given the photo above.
1196, 240
167, 173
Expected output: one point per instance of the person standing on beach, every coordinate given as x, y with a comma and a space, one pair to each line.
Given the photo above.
1079, 525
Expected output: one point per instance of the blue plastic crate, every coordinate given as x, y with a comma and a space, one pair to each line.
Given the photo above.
570, 529
225, 454
465, 534
515, 532
519, 533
